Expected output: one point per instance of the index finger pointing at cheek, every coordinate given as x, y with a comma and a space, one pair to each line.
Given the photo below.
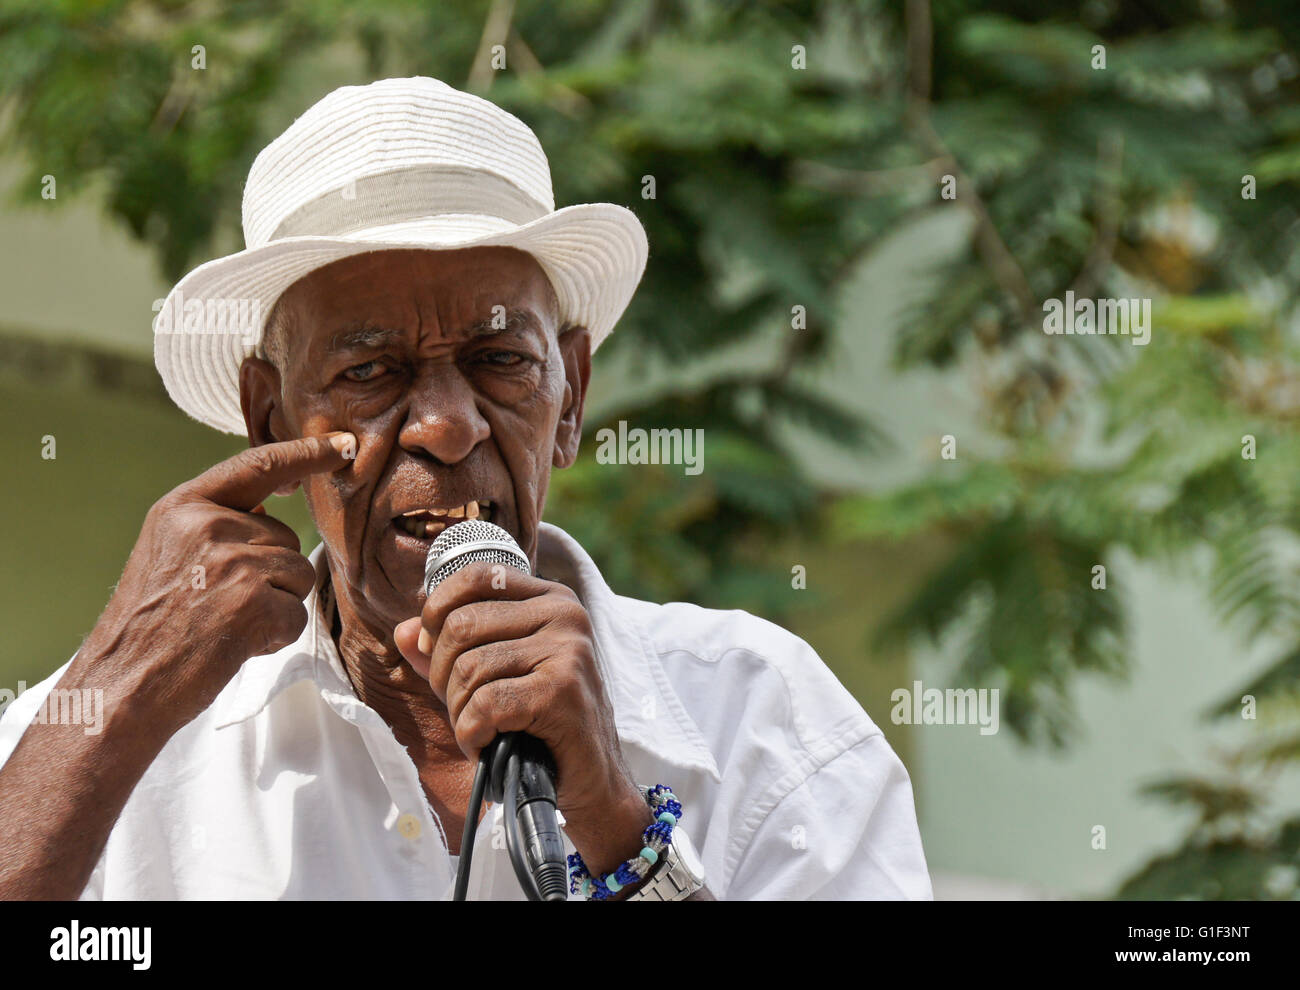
244, 481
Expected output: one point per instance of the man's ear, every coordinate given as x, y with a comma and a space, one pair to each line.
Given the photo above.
259, 398
575, 348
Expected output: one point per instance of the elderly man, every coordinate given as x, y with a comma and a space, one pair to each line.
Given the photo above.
307, 727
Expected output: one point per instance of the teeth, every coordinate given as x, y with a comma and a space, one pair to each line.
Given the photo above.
418, 524
420, 528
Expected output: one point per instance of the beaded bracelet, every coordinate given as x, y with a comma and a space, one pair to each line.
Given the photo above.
656, 838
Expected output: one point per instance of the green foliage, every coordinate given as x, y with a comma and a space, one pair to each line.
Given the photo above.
1219, 870
1228, 855
1123, 182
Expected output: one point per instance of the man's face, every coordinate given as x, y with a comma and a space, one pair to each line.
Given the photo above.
448, 368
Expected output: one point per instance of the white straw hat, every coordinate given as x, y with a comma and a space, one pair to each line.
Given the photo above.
400, 163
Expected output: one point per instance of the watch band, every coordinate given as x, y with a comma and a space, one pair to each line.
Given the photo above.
675, 877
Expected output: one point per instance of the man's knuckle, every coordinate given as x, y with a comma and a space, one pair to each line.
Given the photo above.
302, 569
509, 697
459, 628
467, 581
278, 556
291, 541
248, 581
466, 668
571, 624
573, 616
471, 724
208, 526
289, 619
164, 504
261, 461
225, 562
261, 608
479, 571
566, 593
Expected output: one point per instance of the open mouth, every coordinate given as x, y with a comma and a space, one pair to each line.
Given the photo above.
427, 523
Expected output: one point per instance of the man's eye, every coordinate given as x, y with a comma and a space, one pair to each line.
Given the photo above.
502, 358
364, 372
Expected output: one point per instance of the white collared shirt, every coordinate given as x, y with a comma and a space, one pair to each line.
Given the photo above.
288, 786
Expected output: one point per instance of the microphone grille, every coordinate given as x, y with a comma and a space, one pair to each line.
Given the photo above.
466, 543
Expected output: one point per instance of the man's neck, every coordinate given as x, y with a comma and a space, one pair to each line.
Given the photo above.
385, 682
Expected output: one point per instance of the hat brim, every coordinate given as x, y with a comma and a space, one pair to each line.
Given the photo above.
594, 255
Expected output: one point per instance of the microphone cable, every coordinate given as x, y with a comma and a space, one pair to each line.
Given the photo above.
471, 823
499, 770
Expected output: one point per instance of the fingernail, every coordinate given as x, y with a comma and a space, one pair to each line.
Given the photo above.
344, 443
425, 644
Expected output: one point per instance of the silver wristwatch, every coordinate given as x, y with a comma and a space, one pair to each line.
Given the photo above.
676, 876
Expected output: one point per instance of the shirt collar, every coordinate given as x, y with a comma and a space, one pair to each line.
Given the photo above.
647, 710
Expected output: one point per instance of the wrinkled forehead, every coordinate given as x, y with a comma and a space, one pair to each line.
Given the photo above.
447, 294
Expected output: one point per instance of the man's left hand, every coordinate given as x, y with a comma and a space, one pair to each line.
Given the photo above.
516, 653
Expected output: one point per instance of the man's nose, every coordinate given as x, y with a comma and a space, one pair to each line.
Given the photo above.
443, 418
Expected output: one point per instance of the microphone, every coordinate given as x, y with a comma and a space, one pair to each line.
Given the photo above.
522, 770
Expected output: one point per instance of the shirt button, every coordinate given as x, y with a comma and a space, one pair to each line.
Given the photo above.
409, 826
